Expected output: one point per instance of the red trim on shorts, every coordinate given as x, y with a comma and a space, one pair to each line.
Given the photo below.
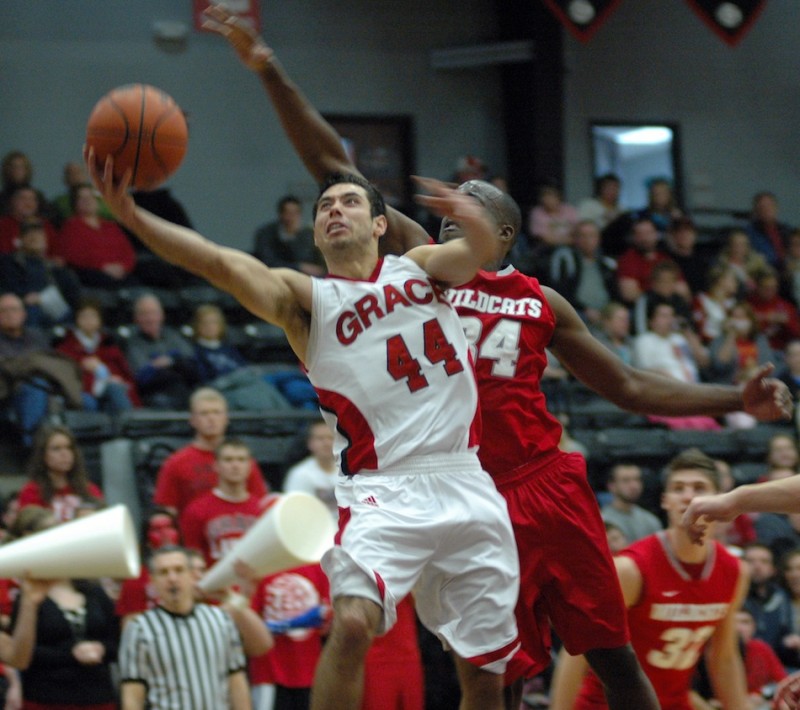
360, 451
381, 585
485, 659
344, 518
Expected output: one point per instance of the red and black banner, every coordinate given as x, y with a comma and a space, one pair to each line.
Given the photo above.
582, 17
729, 19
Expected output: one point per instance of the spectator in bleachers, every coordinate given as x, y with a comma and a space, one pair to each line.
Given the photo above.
23, 206
96, 248
790, 579
190, 471
216, 519
769, 603
666, 286
286, 242
615, 331
783, 453
31, 371
740, 349
662, 207
581, 273
77, 637
317, 473
58, 478
790, 371
674, 350
162, 360
107, 378
761, 664
768, 235
746, 262
680, 245
16, 171
213, 356
635, 264
712, 306
625, 486
777, 318
603, 207
738, 532
616, 538
74, 175
791, 268
552, 221
781, 532
137, 595
50, 292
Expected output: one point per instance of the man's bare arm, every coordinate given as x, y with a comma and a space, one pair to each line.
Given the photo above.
313, 138
646, 392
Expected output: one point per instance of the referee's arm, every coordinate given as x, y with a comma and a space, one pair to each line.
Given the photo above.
239, 692
134, 694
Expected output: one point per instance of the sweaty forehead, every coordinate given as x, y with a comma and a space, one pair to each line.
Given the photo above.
341, 189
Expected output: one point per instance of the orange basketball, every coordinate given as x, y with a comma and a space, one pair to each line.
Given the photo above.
143, 129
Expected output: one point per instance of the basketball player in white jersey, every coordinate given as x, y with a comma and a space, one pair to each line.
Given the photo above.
385, 350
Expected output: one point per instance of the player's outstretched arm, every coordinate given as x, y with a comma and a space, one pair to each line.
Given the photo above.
280, 296
456, 261
644, 392
315, 141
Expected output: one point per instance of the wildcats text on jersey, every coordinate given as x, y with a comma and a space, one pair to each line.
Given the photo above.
688, 612
351, 324
485, 303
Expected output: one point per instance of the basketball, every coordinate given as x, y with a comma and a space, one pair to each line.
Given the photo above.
144, 131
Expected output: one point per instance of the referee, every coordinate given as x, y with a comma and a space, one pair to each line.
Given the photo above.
181, 655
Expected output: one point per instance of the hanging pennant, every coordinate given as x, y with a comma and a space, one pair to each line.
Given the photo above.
582, 17
729, 19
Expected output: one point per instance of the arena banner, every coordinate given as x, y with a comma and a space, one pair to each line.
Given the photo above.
249, 10
582, 17
729, 19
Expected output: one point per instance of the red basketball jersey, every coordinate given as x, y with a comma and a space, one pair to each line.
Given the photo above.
673, 619
509, 323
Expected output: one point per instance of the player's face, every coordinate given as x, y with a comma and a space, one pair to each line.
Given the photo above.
682, 488
233, 464
59, 456
483, 193
344, 219
210, 418
172, 579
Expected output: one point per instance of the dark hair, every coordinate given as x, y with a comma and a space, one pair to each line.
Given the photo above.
9, 158
287, 200
695, 460
233, 443
601, 180
77, 477
376, 203
166, 550
75, 189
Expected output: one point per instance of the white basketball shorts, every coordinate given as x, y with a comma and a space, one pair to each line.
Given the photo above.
435, 525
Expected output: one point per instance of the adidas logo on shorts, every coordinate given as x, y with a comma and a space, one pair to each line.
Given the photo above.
370, 500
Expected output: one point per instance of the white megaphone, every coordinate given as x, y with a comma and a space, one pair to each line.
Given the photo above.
295, 530
102, 544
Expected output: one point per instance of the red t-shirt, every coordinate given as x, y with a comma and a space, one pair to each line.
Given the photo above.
762, 665
85, 247
281, 597
189, 472
212, 524
64, 503
632, 264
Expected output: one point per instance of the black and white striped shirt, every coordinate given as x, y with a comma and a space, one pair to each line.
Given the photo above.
184, 661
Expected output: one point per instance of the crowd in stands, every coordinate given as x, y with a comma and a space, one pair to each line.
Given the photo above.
90, 320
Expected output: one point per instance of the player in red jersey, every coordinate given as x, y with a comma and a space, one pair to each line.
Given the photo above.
682, 598
511, 320
215, 520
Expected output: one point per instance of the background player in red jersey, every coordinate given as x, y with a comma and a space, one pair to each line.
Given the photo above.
682, 598
511, 319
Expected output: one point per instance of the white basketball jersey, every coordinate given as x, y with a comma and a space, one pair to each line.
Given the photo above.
390, 363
